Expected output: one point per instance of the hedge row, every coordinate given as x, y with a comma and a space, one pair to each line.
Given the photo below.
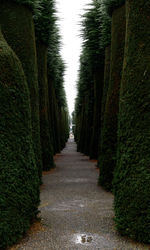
120, 102
90, 84
29, 134
132, 173
108, 143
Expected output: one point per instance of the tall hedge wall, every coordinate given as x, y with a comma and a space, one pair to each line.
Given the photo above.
57, 97
98, 91
54, 115
104, 97
19, 181
132, 174
111, 5
46, 140
17, 25
31, 4
106, 81
108, 147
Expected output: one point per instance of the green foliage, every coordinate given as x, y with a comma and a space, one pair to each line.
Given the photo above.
46, 140
108, 144
105, 25
132, 174
85, 95
18, 29
56, 67
32, 4
19, 181
45, 20
111, 5
58, 113
90, 83
91, 34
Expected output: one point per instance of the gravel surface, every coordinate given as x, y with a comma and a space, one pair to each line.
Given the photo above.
76, 213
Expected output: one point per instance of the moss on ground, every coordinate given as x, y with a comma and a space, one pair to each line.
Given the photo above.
132, 174
19, 182
18, 29
108, 147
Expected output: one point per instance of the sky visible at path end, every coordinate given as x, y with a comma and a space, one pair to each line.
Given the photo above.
69, 12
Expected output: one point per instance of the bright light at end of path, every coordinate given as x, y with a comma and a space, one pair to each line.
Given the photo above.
69, 12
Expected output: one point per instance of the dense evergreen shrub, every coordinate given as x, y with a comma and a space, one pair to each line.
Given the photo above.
46, 137
84, 106
132, 174
44, 20
19, 181
57, 96
98, 91
17, 25
106, 82
108, 146
32, 4
44, 23
111, 5
51, 79
90, 84
92, 37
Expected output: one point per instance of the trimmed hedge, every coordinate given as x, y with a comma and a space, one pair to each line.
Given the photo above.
98, 90
46, 140
111, 5
18, 29
44, 21
106, 81
19, 181
57, 96
90, 83
53, 114
132, 174
108, 146
32, 4
104, 97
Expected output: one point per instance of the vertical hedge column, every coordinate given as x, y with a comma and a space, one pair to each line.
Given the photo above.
46, 139
86, 146
110, 124
132, 175
54, 115
104, 97
98, 90
17, 25
81, 129
19, 181
106, 81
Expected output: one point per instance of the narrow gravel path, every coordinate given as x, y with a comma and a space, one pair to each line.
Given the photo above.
76, 213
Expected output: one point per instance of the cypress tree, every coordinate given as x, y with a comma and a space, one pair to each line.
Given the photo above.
18, 29
57, 97
92, 36
106, 82
19, 180
90, 83
108, 144
46, 136
43, 24
52, 66
132, 174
